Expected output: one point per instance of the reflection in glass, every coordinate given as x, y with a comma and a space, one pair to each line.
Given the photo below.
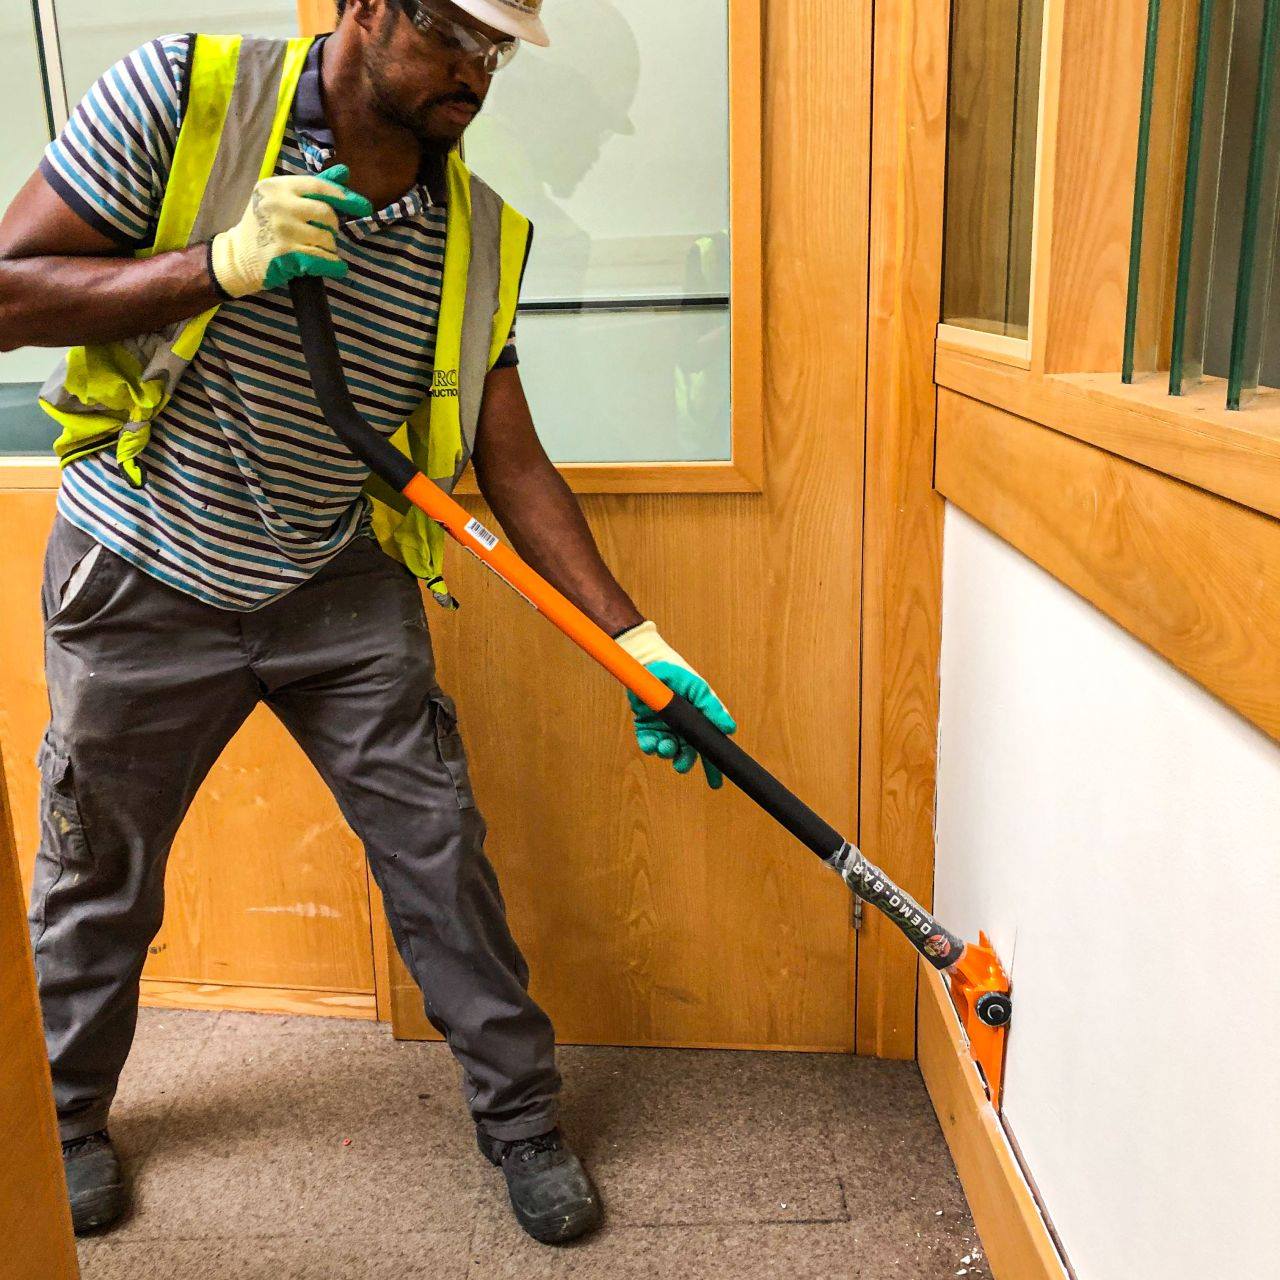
1255, 292
615, 142
996, 49
1199, 241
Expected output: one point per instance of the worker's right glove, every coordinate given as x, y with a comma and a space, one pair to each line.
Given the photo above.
288, 230
653, 734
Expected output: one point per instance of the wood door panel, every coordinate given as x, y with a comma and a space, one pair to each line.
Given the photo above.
653, 912
266, 885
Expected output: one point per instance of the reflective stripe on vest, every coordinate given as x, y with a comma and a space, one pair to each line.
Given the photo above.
241, 94
485, 253
110, 392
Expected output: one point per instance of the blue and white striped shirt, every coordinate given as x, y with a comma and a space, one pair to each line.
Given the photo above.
248, 492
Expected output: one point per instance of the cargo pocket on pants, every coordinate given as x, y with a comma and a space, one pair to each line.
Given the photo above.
59, 809
64, 848
449, 743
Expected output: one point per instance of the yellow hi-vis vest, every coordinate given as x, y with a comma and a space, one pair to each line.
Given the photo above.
241, 91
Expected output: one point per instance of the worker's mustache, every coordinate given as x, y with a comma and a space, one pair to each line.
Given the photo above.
463, 96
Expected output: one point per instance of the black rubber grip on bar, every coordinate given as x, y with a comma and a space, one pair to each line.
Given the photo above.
324, 362
939, 946
687, 721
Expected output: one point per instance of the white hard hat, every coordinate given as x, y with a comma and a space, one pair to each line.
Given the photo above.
515, 17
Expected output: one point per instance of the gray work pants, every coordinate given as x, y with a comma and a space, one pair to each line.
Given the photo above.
146, 687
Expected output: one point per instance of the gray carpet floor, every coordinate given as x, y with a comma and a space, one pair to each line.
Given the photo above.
266, 1148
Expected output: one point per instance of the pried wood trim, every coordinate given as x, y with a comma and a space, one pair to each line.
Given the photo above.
1016, 1239
961, 336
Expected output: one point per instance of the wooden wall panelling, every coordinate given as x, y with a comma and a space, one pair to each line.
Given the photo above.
902, 555
1082, 248
266, 887
1195, 577
653, 912
35, 1217
1019, 1244
1193, 437
315, 16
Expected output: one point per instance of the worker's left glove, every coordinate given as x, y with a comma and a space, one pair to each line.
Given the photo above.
290, 229
653, 734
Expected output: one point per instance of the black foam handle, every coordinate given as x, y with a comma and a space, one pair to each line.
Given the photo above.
939, 946
324, 362
753, 778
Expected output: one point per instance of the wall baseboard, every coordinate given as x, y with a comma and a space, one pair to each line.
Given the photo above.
214, 997
1015, 1236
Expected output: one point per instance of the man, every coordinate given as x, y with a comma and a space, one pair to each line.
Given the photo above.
214, 545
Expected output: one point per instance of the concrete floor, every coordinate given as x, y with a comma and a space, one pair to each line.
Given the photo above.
312, 1149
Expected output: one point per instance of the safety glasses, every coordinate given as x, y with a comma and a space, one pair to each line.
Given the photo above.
454, 39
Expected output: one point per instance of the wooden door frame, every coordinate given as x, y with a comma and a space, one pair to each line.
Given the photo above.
902, 539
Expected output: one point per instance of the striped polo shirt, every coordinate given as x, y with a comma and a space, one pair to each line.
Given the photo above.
248, 492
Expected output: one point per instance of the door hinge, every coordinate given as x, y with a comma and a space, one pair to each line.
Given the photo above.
857, 913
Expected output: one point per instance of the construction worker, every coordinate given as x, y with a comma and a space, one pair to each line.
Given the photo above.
216, 546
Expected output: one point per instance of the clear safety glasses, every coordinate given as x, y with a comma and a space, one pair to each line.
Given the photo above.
462, 42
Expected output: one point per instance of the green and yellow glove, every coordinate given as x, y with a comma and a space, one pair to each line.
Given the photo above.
288, 230
653, 734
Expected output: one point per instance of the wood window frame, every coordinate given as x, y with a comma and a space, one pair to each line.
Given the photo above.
743, 472
1177, 513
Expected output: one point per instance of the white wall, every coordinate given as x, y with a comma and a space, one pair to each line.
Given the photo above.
1117, 830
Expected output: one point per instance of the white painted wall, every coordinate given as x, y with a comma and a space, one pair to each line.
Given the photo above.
1116, 829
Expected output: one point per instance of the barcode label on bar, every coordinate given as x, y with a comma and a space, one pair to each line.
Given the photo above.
482, 535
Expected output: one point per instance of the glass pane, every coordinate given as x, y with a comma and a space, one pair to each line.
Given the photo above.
996, 48
1254, 288
626, 178
93, 35
626, 171
1198, 244
26, 132
1167, 83
640, 386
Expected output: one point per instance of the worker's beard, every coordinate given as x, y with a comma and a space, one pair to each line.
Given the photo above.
413, 119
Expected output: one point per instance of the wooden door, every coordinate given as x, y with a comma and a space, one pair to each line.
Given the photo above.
651, 910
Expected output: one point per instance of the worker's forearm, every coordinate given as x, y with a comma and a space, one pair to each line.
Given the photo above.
73, 301
540, 515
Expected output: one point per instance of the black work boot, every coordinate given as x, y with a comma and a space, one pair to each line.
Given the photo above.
553, 1196
95, 1182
